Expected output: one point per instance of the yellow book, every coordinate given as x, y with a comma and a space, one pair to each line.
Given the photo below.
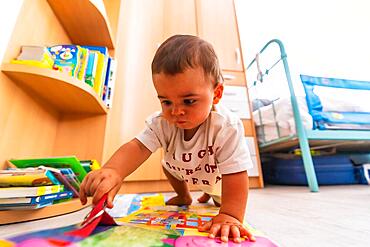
37, 56
98, 80
12, 192
94, 165
40, 64
83, 63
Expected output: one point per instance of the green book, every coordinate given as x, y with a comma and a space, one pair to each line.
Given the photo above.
56, 162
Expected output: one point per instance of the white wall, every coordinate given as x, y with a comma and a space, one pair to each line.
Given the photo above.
329, 38
8, 14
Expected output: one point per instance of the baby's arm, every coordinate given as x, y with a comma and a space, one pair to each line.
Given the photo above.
109, 178
229, 221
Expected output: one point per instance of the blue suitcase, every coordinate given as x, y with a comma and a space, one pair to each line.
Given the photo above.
330, 170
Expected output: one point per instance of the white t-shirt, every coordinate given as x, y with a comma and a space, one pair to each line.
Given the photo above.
218, 147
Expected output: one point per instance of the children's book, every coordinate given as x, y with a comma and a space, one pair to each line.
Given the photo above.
56, 162
27, 207
38, 56
91, 68
83, 63
111, 81
95, 165
106, 80
141, 234
66, 58
101, 67
27, 177
100, 70
67, 184
12, 192
71, 177
24, 201
90, 165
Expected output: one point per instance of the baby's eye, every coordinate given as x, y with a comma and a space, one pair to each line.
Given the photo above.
166, 102
189, 101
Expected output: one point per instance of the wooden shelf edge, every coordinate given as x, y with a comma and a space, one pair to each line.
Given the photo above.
16, 216
76, 88
86, 22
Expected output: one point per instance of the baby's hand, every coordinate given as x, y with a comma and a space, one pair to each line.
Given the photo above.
225, 226
99, 182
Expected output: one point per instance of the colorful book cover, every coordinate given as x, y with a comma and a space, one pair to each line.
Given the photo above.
24, 201
91, 64
140, 234
55, 162
66, 58
12, 192
23, 178
101, 68
83, 63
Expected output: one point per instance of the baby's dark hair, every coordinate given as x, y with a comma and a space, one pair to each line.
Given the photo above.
181, 52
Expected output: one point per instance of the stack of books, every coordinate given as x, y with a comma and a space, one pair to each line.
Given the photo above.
37, 183
90, 64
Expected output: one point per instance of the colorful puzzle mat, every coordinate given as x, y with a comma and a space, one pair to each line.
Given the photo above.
144, 220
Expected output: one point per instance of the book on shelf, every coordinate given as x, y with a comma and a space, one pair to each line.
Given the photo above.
71, 177
70, 182
91, 68
27, 207
101, 67
27, 177
83, 63
38, 56
98, 78
66, 58
109, 83
90, 165
31, 200
11, 192
55, 162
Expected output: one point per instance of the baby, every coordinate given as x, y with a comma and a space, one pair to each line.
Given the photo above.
203, 142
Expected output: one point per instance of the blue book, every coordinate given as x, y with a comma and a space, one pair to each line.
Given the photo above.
33, 200
110, 84
106, 80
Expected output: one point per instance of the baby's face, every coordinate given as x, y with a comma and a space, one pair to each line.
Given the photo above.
186, 98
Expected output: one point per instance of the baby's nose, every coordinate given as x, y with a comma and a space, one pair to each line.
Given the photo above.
177, 111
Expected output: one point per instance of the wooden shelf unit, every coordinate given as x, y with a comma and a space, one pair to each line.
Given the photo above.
85, 21
65, 93
16, 216
45, 112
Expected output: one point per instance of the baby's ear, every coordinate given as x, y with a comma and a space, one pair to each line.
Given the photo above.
217, 94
